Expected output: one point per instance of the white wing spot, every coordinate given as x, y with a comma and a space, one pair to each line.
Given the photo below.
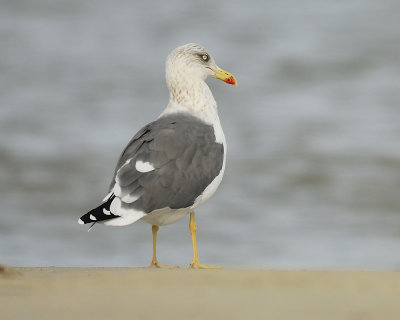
143, 166
106, 212
80, 221
117, 189
92, 217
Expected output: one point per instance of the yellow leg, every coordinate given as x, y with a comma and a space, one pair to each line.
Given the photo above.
196, 263
154, 263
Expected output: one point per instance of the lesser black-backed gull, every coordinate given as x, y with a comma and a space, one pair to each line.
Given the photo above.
175, 163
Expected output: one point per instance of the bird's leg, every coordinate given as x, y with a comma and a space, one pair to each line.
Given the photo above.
154, 263
196, 263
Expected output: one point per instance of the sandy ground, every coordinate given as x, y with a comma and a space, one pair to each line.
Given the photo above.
135, 293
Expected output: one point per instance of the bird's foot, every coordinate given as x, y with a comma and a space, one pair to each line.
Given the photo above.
198, 265
155, 264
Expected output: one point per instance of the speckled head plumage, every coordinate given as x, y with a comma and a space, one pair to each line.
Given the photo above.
193, 62
187, 68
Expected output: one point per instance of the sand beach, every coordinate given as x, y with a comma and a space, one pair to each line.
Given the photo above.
142, 293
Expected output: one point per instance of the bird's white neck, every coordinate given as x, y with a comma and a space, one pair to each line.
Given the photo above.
194, 97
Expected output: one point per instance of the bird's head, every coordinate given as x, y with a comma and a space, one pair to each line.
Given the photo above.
193, 62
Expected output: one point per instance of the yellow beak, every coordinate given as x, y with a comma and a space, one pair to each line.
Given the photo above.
225, 76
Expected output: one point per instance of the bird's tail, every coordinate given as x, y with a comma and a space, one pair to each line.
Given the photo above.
101, 213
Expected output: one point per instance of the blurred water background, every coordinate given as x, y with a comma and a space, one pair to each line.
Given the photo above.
313, 129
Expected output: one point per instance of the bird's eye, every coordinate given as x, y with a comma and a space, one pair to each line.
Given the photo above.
205, 57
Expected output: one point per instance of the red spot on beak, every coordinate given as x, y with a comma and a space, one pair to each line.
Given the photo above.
231, 80
225, 76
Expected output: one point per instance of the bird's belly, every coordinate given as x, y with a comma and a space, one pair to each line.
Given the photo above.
165, 216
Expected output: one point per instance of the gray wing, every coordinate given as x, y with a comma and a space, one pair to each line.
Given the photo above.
185, 157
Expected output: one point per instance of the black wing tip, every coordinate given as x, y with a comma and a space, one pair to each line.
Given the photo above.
101, 213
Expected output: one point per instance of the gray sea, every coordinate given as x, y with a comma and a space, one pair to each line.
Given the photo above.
313, 129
